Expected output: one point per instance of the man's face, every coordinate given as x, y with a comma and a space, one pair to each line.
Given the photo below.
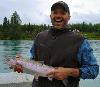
59, 18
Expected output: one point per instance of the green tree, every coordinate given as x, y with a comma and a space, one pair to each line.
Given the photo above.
15, 19
5, 22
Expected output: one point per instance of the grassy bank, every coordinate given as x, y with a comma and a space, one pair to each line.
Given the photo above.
92, 35
28, 36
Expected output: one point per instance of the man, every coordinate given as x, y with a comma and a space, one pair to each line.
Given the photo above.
68, 51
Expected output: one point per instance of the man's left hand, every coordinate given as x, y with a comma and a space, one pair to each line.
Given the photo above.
59, 73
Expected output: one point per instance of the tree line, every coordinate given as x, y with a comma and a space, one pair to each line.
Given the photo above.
14, 29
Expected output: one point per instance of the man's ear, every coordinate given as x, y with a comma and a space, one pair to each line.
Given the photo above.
69, 17
50, 15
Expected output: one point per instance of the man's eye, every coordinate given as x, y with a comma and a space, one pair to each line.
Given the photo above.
55, 12
63, 13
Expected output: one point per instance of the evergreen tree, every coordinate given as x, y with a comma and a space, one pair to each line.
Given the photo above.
15, 19
5, 22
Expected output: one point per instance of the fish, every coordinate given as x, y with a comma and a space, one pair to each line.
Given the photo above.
32, 65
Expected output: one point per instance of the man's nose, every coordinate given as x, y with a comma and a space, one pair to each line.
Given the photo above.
58, 15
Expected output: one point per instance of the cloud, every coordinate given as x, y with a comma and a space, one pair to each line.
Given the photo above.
38, 11
90, 17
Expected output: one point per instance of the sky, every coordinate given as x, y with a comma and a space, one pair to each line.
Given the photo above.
38, 11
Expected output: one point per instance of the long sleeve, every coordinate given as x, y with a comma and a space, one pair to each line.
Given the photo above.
32, 51
89, 68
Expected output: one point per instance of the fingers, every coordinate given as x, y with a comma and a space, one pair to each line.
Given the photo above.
59, 73
36, 76
52, 73
75, 30
56, 75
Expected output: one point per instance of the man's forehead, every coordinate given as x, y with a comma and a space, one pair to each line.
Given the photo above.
59, 10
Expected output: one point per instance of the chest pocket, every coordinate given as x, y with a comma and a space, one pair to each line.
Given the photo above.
43, 53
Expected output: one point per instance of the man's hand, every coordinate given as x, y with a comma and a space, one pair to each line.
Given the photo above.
76, 31
61, 73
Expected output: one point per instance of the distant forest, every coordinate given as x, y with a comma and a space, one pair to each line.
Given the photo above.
13, 29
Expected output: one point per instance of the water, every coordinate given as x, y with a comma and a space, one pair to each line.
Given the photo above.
9, 48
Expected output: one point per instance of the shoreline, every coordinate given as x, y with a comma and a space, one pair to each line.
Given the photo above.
15, 78
22, 84
33, 39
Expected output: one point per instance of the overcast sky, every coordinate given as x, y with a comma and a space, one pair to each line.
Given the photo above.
38, 11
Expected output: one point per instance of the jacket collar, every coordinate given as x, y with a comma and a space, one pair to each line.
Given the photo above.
56, 32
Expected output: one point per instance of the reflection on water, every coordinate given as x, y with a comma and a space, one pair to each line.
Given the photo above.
9, 47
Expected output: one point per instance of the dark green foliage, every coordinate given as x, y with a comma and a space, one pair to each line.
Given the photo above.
84, 27
5, 22
15, 19
12, 29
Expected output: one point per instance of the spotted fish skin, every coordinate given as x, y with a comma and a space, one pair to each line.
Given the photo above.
34, 66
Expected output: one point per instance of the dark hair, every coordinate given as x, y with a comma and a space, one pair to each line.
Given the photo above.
61, 5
